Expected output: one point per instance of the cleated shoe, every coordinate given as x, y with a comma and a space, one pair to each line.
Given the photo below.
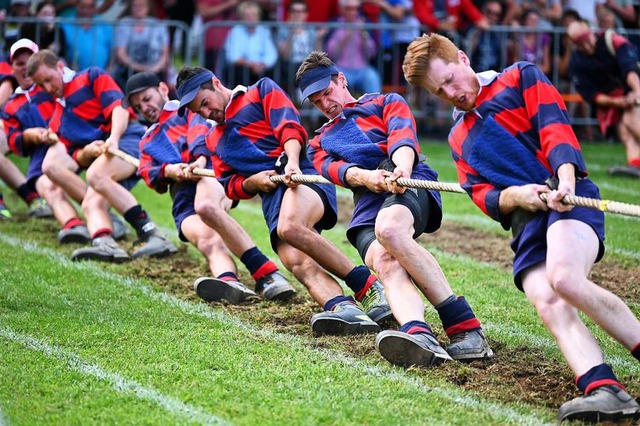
375, 304
345, 318
469, 346
78, 234
155, 244
408, 350
274, 286
120, 229
40, 209
5, 213
215, 289
606, 403
104, 249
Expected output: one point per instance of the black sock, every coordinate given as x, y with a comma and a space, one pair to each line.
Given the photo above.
139, 220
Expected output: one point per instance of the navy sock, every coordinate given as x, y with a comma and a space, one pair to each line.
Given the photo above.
139, 219
600, 375
338, 299
26, 193
456, 316
636, 352
253, 259
357, 279
416, 327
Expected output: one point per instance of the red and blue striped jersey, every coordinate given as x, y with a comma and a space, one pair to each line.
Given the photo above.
173, 139
83, 115
25, 109
367, 133
6, 72
259, 120
524, 102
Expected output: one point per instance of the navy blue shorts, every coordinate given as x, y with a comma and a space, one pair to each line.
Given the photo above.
530, 247
272, 201
34, 171
130, 143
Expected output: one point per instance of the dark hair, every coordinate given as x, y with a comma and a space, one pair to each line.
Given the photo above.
44, 3
571, 13
187, 72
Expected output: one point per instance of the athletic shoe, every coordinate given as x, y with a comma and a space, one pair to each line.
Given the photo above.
345, 318
155, 244
630, 171
422, 350
5, 213
605, 403
215, 289
104, 249
120, 229
469, 346
274, 286
40, 209
78, 234
375, 303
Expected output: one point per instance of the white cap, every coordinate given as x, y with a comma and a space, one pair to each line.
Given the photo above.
23, 43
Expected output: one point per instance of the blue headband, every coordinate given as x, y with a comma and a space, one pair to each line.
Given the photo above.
316, 80
189, 89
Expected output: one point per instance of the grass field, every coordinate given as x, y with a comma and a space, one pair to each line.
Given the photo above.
91, 343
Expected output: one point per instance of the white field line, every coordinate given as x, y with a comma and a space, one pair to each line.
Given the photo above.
119, 383
618, 188
203, 310
3, 419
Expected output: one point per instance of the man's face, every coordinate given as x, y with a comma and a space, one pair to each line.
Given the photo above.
331, 100
454, 82
86, 8
584, 41
210, 104
149, 103
19, 67
50, 80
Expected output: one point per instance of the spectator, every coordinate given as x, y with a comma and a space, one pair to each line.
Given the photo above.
46, 33
604, 69
218, 12
319, 11
445, 16
549, 11
296, 42
18, 9
394, 42
352, 48
250, 52
141, 42
89, 41
623, 11
487, 48
532, 46
69, 8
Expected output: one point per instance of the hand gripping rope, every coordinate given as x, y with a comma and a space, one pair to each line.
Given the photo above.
606, 206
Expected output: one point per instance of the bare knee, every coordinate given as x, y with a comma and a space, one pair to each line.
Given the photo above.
209, 209
291, 232
566, 282
387, 234
211, 245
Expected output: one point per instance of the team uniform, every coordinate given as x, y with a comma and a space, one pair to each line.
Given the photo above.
27, 109
259, 120
366, 135
520, 133
173, 139
83, 115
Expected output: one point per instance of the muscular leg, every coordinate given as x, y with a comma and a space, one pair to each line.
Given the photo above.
62, 209
575, 341
103, 176
61, 169
402, 296
567, 272
321, 286
212, 206
95, 208
210, 245
394, 231
295, 226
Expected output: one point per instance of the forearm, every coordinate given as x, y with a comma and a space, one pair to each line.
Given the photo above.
119, 122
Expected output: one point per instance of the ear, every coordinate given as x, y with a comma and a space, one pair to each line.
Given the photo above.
463, 58
342, 80
60, 66
163, 89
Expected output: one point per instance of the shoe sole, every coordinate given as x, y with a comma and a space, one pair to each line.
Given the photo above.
215, 290
338, 327
100, 258
383, 318
157, 254
74, 239
399, 350
281, 295
486, 354
600, 416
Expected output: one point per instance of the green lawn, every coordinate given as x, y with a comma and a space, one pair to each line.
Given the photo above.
90, 343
